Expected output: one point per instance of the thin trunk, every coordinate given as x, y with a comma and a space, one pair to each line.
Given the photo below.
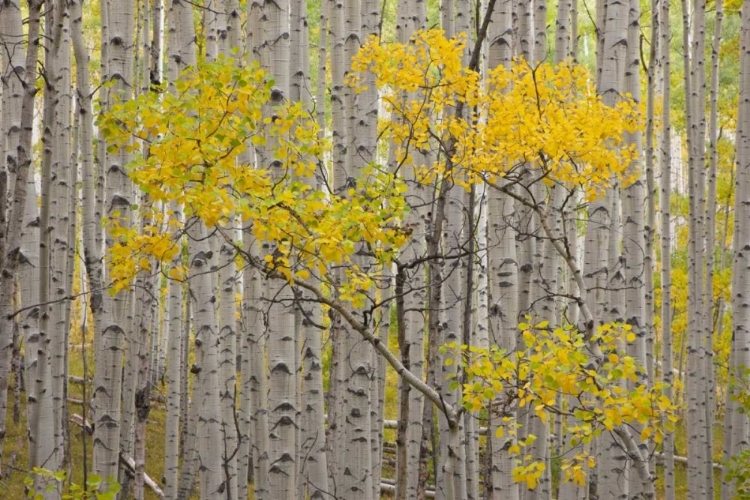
710, 236
173, 375
110, 316
600, 239
740, 354
634, 233
14, 163
695, 385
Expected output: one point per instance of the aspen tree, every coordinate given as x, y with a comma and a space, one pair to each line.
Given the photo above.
135, 296
460, 290
206, 368
564, 42
312, 465
544, 272
366, 144
254, 378
503, 272
412, 315
740, 355
229, 47
336, 389
697, 339
710, 242
142, 333
282, 397
55, 211
46, 427
634, 231
356, 355
17, 70
179, 26
600, 236
665, 190
446, 234
110, 315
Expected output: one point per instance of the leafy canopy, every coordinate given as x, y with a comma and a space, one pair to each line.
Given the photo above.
547, 114
554, 366
223, 147
201, 143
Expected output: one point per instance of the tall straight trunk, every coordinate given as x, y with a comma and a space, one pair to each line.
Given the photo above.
21, 159
740, 354
227, 360
565, 33
206, 367
92, 215
246, 466
340, 174
173, 375
449, 309
650, 222
206, 401
357, 355
697, 342
599, 233
254, 377
16, 130
311, 448
110, 316
461, 231
614, 467
665, 189
29, 321
142, 402
379, 385
651, 194
411, 18
129, 431
45, 426
666, 243
45, 452
55, 221
503, 272
710, 237
367, 146
282, 357
313, 442
229, 46
254, 381
180, 54
91, 219
634, 229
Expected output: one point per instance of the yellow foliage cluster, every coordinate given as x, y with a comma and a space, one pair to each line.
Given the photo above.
484, 130
554, 373
201, 155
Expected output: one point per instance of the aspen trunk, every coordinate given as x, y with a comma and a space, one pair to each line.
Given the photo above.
110, 317
740, 354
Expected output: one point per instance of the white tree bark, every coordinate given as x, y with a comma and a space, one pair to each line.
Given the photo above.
740, 354
173, 375
110, 318
665, 189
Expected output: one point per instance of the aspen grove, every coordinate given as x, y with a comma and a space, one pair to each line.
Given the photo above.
363, 249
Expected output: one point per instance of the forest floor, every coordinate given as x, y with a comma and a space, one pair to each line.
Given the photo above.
13, 470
